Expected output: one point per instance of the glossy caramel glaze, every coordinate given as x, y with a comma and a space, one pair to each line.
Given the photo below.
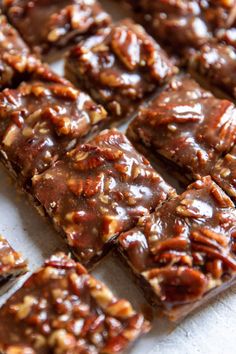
120, 66
39, 122
185, 249
48, 25
97, 191
62, 309
187, 126
216, 63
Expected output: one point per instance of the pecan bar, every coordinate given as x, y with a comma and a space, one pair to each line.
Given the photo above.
184, 24
50, 25
41, 121
178, 24
219, 13
186, 126
184, 253
63, 309
11, 263
120, 66
97, 191
224, 173
216, 65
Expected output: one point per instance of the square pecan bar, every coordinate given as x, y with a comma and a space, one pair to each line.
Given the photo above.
98, 190
224, 173
48, 26
11, 263
41, 121
184, 24
184, 253
178, 24
63, 309
215, 64
187, 126
120, 66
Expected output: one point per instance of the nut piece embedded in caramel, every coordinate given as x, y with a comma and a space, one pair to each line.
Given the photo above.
11, 263
62, 309
224, 173
184, 253
120, 66
98, 190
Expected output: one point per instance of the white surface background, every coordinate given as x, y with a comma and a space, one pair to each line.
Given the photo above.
209, 331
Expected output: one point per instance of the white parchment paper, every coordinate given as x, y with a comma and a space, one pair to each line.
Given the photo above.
209, 331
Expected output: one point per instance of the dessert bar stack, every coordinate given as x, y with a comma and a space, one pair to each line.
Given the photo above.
97, 187
92, 187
